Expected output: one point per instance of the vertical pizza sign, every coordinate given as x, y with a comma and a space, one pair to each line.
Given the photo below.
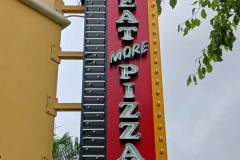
130, 129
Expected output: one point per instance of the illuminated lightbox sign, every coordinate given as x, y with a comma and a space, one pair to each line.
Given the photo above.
121, 115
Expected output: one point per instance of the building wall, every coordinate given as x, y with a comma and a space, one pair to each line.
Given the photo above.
50, 3
27, 76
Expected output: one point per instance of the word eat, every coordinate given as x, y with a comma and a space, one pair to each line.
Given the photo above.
127, 23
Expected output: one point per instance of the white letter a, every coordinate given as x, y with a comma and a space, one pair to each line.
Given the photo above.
130, 152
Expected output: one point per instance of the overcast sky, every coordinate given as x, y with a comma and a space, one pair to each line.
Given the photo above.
202, 121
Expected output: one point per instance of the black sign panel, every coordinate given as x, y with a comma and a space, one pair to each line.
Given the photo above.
93, 122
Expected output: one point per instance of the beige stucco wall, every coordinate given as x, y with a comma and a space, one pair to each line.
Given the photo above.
27, 76
50, 3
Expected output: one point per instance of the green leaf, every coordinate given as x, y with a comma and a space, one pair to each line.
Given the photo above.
159, 10
173, 3
197, 22
214, 4
193, 10
188, 24
203, 14
195, 80
185, 31
236, 20
209, 68
179, 28
202, 3
195, 2
200, 74
193, 23
206, 60
204, 71
189, 80
212, 21
224, 23
159, 7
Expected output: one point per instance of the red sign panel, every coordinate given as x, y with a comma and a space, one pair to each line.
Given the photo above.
121, 45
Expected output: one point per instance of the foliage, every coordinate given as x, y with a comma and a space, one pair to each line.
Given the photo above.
222, 36
65, 148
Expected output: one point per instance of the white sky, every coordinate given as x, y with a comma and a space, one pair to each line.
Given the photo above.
70, 79
202, 121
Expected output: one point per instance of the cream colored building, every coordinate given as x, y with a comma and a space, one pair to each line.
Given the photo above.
30, 33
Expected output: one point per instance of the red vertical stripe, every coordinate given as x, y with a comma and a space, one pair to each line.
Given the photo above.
142, 82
